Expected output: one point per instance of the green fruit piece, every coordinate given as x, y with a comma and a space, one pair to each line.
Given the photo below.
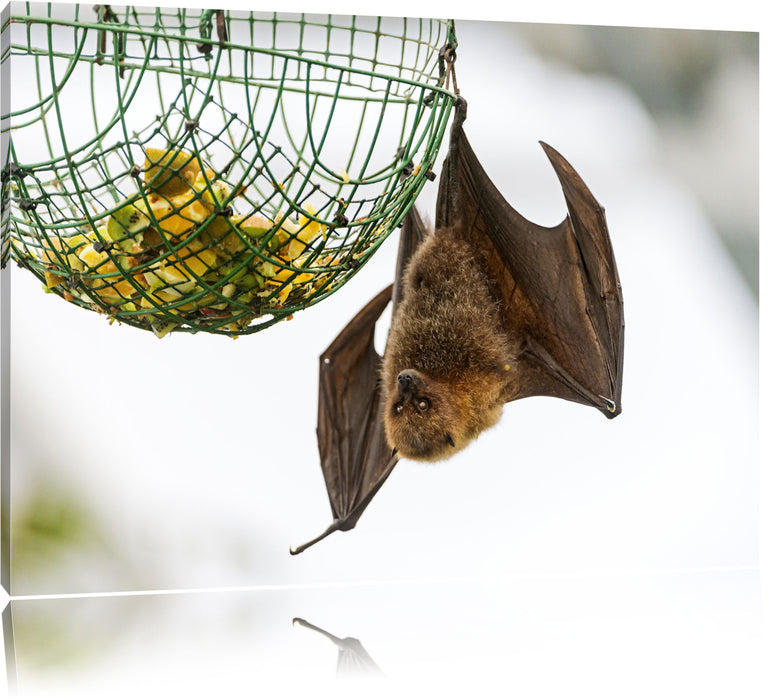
250, 281
254, 226
214, 192
228, 271
220, 233
125, 225
162, 328
267, 269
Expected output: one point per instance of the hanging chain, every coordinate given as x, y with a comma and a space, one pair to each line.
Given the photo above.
449, 55
106, 15
206, 29
446, 64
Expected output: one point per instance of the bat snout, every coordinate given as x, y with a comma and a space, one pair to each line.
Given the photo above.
408, 382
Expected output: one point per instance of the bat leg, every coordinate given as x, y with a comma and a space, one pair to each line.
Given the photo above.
336, 525
349, 522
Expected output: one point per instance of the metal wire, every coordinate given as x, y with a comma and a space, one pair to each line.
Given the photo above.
324, 128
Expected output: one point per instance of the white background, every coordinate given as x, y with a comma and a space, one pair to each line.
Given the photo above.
632, 518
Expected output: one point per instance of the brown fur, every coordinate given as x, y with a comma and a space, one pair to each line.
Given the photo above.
448, 331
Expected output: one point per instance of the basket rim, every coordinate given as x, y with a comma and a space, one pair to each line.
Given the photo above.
435, 85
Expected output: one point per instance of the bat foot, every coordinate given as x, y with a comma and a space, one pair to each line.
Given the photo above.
460, 110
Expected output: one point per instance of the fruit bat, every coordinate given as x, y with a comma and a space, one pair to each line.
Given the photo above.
487, 309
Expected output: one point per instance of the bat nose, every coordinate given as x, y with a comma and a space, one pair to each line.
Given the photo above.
407, 379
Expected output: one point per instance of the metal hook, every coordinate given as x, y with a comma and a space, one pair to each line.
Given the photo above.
206, 28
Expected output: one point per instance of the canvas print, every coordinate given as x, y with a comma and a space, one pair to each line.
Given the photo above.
328, 324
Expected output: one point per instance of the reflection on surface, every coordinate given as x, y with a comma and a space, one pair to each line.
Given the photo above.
667, 635
352, 658
10, 649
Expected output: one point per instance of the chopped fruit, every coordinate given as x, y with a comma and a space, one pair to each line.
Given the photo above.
177, 251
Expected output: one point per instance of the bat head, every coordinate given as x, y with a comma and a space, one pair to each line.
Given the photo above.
429, 419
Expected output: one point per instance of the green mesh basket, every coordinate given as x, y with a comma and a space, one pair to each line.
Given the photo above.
206, 170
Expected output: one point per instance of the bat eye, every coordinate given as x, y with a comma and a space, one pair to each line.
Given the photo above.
398, 408
423, 405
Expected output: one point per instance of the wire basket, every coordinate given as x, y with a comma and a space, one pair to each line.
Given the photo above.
207, 170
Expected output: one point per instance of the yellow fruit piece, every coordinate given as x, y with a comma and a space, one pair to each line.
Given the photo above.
164, 296
169, 173
291, 278
116, 293
188, 261
299, 236
91, 257
192, 208
285, 274
52, 280
159, 295
177, 214
219, 236
207, 256
100, 264
282, 294
66, 248
177, 274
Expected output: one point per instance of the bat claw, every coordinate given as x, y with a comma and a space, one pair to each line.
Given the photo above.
612, 408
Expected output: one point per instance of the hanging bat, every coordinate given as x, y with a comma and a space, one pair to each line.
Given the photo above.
487, 309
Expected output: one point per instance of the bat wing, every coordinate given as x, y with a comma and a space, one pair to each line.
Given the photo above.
559, 287
355, 457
